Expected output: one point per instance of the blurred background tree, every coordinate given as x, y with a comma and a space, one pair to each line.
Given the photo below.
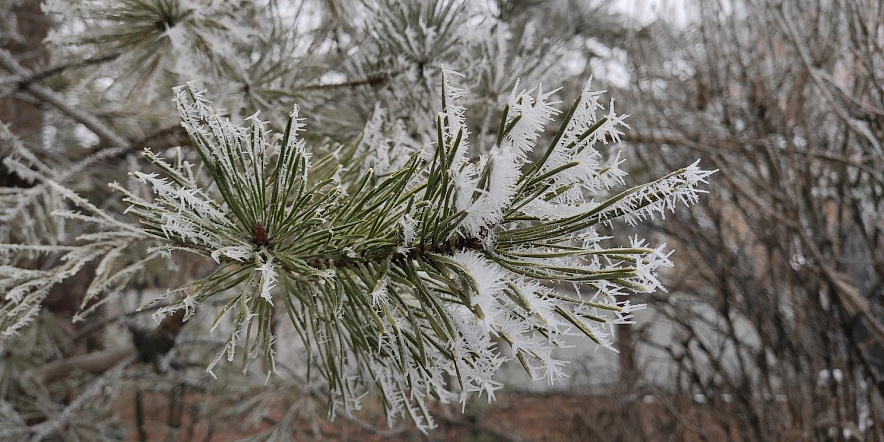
777, 315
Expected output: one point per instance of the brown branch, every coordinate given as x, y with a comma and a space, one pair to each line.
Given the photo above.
48, 96
139, 416
370, 80
148, 345
39, 76
714, 146
444, 247
176, 134
93, 363
41, 431
479, 428
151, 346
99, 325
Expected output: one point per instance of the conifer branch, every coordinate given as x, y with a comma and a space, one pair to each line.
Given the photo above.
415, 269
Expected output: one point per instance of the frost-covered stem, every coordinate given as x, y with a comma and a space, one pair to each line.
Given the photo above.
93, 123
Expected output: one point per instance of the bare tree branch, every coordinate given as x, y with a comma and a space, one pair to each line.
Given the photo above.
40, 431
93, 123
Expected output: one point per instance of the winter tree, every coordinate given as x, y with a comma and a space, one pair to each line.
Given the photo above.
779, 306
387, 194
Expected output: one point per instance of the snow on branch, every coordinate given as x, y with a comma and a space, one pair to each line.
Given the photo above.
402, 267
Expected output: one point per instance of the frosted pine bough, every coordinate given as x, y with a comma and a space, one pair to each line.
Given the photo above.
406, 278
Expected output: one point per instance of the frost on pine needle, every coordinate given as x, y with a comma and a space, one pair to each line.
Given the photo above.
384, 146
30, 216
402, 267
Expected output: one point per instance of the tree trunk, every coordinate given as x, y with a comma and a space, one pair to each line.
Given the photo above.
25, 117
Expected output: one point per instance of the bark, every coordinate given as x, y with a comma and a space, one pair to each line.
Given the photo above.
24, 116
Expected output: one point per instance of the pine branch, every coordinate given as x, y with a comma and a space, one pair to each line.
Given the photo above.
416, 268
400, 262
